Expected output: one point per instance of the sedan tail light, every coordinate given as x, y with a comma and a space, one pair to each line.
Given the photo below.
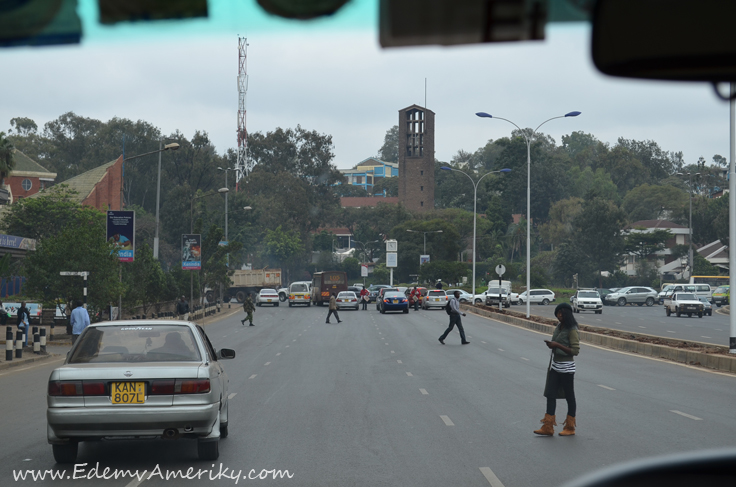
94, 388
65, 388
192, 386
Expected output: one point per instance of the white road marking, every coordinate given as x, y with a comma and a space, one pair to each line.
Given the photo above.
387, 344
409, 374
524, 358
267, 363
286, 346
278, 354
424, 391
642, 326
447, 421
253, 376
232, 395
670, 331
703, 336
44, 362
392, 351
617, 322
293, 340
491, 477
686, 415
606, 387
399, 361
482, 342
501, 350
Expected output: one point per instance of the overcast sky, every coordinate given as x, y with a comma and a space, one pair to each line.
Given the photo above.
333, 77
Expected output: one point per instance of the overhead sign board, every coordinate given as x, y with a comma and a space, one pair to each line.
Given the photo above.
121, 233
391, 259
191, 252
423, 259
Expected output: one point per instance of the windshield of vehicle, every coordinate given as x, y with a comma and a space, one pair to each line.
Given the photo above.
347, 294
496, 290
139, 343
268, 291
393, 295
588, 294
686, 297
437, 293
703, 299
299, 288
720, 290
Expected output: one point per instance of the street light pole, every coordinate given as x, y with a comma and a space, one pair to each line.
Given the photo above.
425, 236
475, 208
225, 170
161, 148
528, 192
690, 260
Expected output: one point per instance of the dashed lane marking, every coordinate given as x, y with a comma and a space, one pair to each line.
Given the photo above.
447, 420
482, 342
686, 415
501, 350
410, 374
491, 477
399, 361
286, 346
524, 358
606, 387
424, 391
278, 354
670, 331
703, 336
642, 326
253, 376
267, 363
232, 395
392, 351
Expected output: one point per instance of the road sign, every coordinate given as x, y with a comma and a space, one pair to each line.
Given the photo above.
423, 259
500, 269
391, 259
364, 271
392, 246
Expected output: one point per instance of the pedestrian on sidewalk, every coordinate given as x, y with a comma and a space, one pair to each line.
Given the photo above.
565, 344
79, 319
333, 309
455, 319
3, 315
182, 309
24, 319
249, 309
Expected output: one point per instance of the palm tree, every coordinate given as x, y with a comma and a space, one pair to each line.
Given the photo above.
516, 235
7, 162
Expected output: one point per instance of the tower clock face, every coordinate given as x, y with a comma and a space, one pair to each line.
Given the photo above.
391, 246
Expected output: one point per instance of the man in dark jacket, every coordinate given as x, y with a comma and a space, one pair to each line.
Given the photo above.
182, 309
455, 319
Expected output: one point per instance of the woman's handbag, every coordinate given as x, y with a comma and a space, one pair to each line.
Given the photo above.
560, 390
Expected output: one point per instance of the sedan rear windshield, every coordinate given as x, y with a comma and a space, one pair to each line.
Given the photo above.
346, 294
437, 293
139, 343
393, 295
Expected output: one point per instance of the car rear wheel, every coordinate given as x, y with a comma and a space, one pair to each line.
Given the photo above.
406, 310
477, 302
276, 304
689, 315
208, 450
240, 296
700, 315
282, 297
65, 453
667, 311
622, 301
650, 301
545, 301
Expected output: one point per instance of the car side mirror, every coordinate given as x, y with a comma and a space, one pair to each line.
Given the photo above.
226, 353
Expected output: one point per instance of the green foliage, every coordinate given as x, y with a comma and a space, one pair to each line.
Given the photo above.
559, 227
7, 162
450, 272
351, 266
381, 274
643, 244
649, 202
389, 151
598, 235
322, 241
386, 186
281, 246
144, 280
703, 267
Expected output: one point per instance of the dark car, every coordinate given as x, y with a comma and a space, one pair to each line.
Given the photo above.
373, 290
381, 293
394, 301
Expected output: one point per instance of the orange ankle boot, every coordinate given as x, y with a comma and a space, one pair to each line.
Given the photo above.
569, 429
547, 428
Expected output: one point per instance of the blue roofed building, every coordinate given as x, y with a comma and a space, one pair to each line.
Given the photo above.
369, 171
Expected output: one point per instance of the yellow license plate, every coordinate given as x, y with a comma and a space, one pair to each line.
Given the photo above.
269, 300
128, 393
396, 301
436, 299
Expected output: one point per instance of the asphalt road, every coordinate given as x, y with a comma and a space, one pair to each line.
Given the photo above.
376, 400
650, 320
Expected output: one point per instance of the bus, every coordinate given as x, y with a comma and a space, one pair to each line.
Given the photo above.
714, 281
327, 282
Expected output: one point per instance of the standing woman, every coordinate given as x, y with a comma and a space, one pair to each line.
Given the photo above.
565, 344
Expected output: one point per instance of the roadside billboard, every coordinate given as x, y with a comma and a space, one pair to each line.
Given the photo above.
121, 233
191, 252
423, 259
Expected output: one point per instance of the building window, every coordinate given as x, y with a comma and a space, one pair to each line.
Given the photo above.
26, 184
421, 203
421, 188
415, 133
421, 173
359, 179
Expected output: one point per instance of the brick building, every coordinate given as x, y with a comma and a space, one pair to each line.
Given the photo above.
27, 178
416, 158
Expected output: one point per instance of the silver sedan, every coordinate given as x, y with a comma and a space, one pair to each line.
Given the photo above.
139, 379
347, 300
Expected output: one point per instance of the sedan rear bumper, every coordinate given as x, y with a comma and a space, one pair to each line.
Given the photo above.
109, 422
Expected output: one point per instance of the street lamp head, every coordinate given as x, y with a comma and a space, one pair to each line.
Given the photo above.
409, 230
438, 231
223, 190
247, 208
484, 115
572, 114
172, 146
445, 168
506, 169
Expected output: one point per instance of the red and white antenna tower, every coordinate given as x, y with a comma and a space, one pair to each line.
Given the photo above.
242, 166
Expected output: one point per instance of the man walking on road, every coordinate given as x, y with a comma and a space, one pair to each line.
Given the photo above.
333, 309
455, 319
182, 309
79, 319
249, 310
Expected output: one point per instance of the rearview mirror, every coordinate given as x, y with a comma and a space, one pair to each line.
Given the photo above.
684, 40
226, 353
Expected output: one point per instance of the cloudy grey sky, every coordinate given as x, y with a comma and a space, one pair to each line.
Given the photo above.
332, 76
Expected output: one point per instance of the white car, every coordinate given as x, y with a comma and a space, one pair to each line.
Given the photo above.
465, 297
537, 296
267, 296
435, 299
587, 300
347, 300
513, 297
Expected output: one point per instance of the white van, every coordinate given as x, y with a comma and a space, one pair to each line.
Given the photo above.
700, 290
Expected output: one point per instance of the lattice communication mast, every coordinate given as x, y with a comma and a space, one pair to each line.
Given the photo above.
242, 166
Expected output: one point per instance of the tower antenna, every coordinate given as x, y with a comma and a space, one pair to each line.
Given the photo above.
242, 166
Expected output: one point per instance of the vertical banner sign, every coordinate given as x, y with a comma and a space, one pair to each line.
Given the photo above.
191, 252
363, 271
423, 259
121, 233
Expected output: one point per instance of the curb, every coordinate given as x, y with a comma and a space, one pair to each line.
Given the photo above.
723, 363
29, 360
